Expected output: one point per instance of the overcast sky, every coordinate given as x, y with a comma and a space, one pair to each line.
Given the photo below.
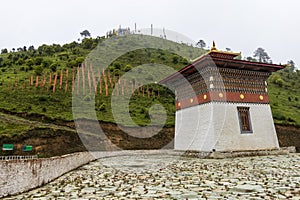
240, 25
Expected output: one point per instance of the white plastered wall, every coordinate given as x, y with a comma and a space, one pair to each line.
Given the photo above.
216, 126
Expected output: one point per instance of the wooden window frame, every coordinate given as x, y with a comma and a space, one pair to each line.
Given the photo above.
244, 120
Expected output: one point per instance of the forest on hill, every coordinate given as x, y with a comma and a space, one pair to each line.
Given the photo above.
39, 83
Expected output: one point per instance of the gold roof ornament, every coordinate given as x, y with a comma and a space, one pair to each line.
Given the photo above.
214, 50
287, 65
214, 47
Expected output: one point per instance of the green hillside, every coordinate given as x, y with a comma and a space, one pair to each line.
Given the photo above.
41, 103
285, 96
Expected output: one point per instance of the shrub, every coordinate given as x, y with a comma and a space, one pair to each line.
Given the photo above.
38, 70
275, 78
279, 82
290, 119
29, 107
117, 65
43, 98
72, 63
279, 117
87, 43
29, 62
175, 59
53, 67
78, 61
87, 98
46, 63
20, 61
102, 107
128, 68
38, 61
4, 51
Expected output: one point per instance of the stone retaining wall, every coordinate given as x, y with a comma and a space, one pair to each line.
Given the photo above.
17, 176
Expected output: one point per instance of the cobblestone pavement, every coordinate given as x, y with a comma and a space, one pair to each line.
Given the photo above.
174, 177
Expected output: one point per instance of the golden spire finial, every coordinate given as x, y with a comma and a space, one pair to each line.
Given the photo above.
214, 47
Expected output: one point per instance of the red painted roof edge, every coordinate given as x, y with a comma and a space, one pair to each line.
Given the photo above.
207, 55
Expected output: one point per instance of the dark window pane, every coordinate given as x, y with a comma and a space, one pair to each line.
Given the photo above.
244, 119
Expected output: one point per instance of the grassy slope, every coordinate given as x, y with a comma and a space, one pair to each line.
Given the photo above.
13, 127
285, 97
58, 105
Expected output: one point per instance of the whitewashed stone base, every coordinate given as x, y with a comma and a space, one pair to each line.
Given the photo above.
215, 126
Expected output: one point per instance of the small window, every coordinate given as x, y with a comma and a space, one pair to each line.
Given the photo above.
244, 118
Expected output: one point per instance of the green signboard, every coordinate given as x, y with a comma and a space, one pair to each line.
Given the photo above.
27, 148
7, 147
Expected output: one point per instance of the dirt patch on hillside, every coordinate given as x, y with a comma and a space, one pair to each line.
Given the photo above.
45, 142
288, 136
118, 138
54, 141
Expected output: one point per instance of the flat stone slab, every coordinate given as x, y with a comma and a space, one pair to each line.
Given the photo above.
247, 188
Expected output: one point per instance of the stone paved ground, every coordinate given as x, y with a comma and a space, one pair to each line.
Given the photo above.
174, 177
